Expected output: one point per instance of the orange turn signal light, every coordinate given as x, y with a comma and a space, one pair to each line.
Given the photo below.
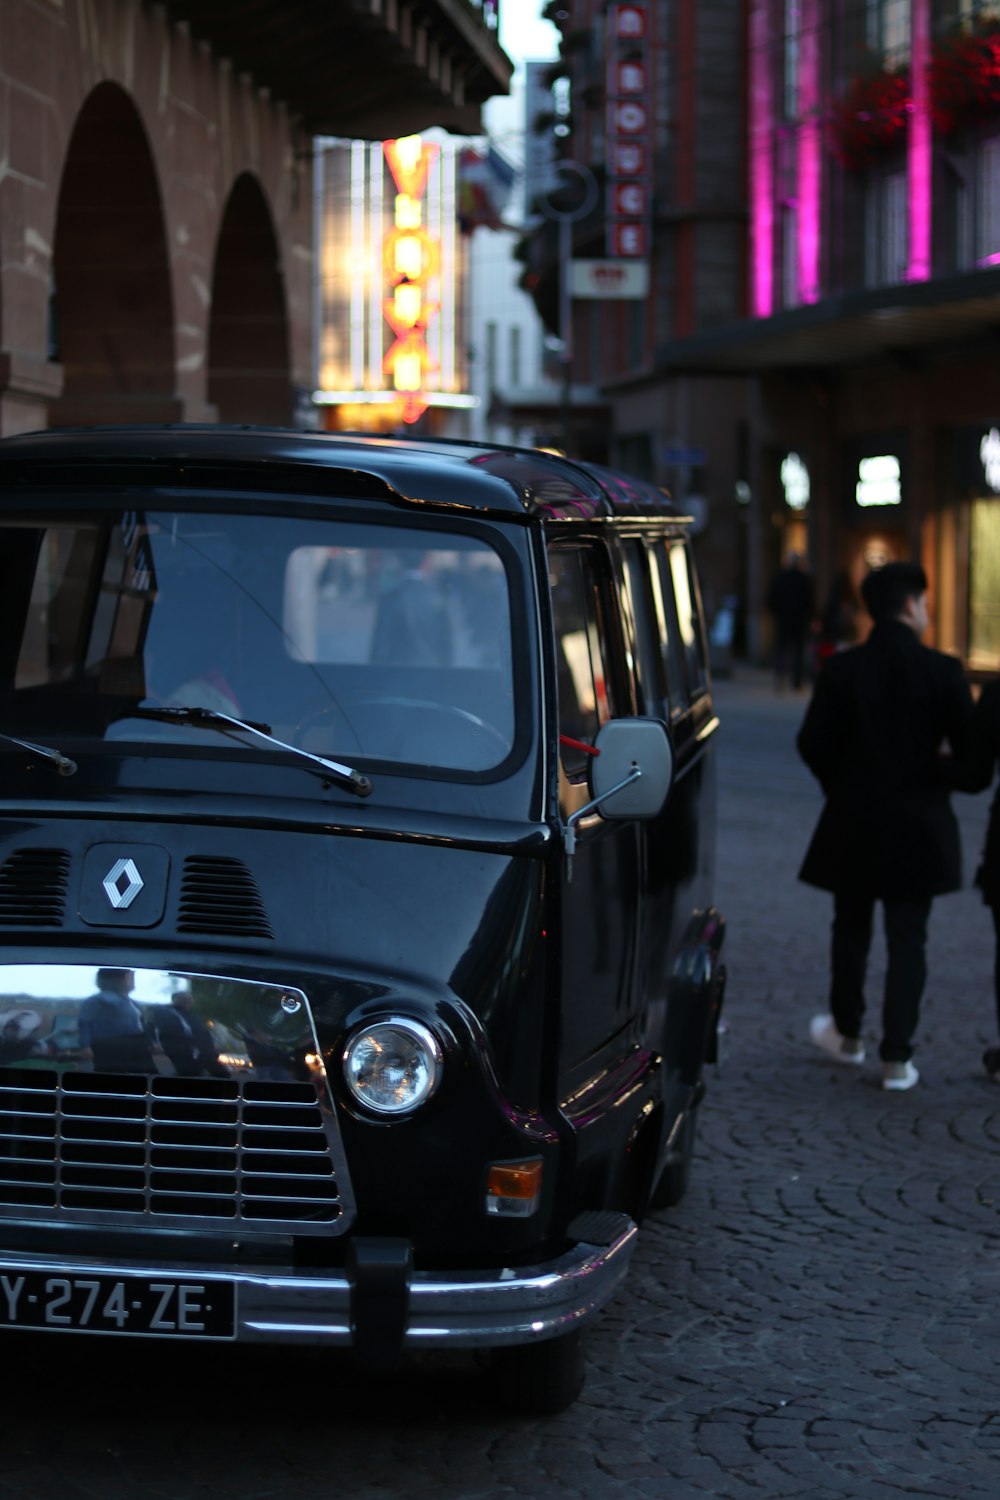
514, 1188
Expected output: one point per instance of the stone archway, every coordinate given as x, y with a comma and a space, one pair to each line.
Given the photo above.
112, 324
249, 374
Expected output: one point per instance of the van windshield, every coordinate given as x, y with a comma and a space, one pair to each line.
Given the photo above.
345, 638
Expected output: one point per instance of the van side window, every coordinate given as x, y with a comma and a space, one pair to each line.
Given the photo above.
689, 621
581, 662
647, 635
671, 647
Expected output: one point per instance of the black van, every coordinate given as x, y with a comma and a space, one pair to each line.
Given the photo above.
358, 961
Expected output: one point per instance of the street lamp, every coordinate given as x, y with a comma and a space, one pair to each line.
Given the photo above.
573, 198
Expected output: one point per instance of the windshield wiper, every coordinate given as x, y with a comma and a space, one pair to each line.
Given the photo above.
344, 776
62, 763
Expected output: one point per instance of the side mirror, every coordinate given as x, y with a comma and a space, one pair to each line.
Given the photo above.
630, 776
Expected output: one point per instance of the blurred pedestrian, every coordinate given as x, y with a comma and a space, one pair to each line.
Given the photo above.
978, 775
838, 625
112, 1034
791, 601
187, 1039
412, 625
873, 736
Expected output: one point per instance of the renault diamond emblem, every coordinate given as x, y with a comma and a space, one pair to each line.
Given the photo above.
122, 883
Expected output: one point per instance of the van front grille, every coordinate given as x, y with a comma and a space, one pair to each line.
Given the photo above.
124, 1150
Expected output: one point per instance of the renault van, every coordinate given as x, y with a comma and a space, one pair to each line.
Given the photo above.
359, 966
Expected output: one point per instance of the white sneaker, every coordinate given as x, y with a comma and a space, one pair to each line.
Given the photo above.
899, 1075
823, 1033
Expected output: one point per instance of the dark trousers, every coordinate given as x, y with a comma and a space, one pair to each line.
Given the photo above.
906, 974
996, 962
789, 654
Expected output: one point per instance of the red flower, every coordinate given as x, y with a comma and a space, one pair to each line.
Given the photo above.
964, 76
870, 119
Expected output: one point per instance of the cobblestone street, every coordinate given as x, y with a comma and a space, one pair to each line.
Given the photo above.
820, 1317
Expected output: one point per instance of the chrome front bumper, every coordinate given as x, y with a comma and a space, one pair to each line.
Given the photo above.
476, 1310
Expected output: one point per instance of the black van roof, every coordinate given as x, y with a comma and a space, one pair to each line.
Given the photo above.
439, 472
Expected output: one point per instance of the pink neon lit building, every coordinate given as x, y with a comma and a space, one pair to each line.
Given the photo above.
860, 322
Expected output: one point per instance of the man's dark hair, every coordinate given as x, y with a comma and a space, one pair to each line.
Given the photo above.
111, 979
886, 589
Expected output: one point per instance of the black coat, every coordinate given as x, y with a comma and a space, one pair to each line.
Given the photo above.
790, 598
872, 735
188, 1043
976, 777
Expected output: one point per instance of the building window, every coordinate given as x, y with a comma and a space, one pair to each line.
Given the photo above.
515, 357
969, 9
491, 357
791, 59
988, 200
961, 218
886, 230
789, 255
887, 30
635, 331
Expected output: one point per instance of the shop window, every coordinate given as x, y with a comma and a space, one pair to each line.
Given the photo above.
585, 693
984, 585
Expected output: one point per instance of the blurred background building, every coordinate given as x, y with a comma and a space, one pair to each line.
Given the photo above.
816, 189
156, 202
392, 319
746, 249
648, 109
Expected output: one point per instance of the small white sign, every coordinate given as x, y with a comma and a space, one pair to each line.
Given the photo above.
989, 453
608, 278
795, 482
878, 481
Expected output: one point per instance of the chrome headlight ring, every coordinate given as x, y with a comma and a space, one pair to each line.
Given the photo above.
392, 1066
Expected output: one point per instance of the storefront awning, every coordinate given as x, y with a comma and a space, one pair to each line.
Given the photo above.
899, 323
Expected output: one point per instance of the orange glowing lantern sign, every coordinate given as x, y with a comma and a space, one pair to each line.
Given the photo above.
411, 258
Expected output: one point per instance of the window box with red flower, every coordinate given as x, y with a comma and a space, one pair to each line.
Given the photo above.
965, 75
870, 118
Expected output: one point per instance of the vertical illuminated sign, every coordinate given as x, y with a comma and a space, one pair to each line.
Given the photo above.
628, 88
411, 258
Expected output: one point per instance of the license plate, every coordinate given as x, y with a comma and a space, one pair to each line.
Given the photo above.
161, 1306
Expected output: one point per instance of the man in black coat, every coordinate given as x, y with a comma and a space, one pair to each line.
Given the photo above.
187, 1040
873, 737
791, 602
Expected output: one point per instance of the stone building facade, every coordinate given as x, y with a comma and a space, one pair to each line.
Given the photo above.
156, 231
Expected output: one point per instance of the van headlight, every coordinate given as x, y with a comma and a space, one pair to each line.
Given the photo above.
392, 1067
